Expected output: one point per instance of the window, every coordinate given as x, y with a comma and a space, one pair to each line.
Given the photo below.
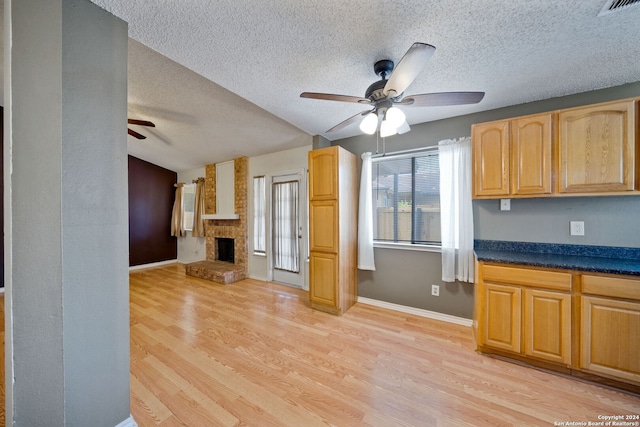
406, 198
259, 219
188, 202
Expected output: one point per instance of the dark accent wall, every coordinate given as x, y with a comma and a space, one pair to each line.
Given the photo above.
151, 196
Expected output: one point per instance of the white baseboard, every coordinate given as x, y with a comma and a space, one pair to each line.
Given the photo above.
129, 422
254, 277
153, 264
417, 311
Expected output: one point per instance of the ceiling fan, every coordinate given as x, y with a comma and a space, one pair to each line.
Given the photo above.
385, 94
141, 123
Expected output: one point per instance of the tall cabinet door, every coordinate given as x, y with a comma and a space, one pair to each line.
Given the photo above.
323, 174
597, 148
491, 158
531, 139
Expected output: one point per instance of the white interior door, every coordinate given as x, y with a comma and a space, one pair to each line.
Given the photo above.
287, 229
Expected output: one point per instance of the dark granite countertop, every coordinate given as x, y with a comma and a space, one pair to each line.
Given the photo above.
601, 259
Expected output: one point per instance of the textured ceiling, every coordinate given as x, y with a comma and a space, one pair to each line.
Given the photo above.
262, 54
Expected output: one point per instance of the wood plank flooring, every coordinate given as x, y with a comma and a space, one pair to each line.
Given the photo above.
256, 354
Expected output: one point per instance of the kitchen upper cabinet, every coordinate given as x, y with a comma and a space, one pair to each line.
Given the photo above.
531, 150
512, 158
490, 158
610, 328
591, 150
597, 148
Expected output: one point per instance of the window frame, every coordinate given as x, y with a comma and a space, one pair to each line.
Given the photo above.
260, 242
413, 244
188, 226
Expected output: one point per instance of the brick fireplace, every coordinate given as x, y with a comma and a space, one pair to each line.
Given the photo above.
234, 230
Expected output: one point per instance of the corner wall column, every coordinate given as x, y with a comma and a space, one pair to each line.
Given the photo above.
66, 227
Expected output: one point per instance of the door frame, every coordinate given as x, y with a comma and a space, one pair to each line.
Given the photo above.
304, 223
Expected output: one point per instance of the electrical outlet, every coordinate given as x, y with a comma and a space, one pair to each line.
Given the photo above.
435, 290
577, 228
505, 204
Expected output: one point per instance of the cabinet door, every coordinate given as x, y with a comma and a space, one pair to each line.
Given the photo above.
596, 148
323, 221
323, 280
609, 336
530, 148
502, 322
547, 325
323, 174
491, 158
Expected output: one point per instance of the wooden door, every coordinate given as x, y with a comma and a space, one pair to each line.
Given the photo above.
490, 158
547, 325
530, 152
609, 337
596, 147
503, 313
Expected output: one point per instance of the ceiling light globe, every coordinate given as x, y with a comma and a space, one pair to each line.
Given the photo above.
395, 117
387, 129
369, 124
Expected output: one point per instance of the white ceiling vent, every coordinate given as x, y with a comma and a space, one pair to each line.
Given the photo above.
615, 5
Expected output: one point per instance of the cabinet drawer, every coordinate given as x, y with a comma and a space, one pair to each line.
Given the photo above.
615, 287
527, 277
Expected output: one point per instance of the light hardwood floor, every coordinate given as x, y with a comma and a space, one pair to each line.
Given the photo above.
255, 353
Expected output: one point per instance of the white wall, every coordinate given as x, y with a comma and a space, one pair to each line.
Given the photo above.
191, 249
270, 165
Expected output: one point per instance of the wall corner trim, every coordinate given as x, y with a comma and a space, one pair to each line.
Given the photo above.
417, 311
129, 422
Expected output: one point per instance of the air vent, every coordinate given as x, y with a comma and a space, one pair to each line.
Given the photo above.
616, 5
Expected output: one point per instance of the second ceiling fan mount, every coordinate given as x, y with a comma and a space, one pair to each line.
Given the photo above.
384, 94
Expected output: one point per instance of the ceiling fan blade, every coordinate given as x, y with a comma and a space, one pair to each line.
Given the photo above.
141, 122
135, 134
332, 97
441, 99
349, 121
408, 68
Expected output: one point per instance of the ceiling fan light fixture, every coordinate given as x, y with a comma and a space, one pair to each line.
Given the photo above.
369, 124
395, 117
387, 129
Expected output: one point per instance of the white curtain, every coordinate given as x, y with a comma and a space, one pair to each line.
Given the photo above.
365, 218
456, 212
286, 248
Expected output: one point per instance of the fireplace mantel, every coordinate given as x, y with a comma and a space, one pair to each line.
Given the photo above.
220, 216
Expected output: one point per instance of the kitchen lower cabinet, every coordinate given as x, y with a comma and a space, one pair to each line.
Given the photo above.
610, 327
583, 324
526, 312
